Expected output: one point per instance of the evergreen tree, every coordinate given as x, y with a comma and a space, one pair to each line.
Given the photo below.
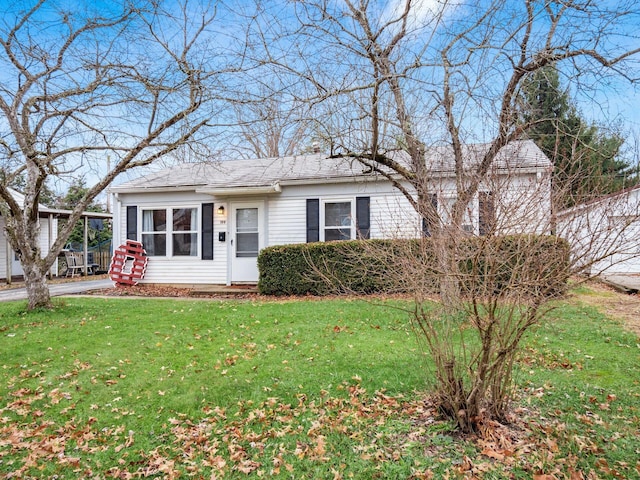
47, 197
76, 192
586, 159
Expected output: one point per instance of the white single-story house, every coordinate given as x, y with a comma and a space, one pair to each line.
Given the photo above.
204, 223
48, 218
605, 233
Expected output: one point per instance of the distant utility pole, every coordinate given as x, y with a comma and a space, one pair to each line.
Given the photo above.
108, 193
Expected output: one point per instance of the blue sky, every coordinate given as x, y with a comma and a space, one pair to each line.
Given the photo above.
615, 101
603, 101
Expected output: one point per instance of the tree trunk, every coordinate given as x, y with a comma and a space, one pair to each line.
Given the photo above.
445, 242
23, 234
37, 289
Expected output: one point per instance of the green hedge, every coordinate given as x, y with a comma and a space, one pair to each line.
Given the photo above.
516, 265
533, 264
315, 268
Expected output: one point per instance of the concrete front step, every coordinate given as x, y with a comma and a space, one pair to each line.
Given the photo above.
224, 289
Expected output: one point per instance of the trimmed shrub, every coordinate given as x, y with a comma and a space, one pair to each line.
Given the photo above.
515, 265
320, 268
534, 265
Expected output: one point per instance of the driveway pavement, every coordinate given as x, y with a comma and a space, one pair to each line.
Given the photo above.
626, 283
57, 289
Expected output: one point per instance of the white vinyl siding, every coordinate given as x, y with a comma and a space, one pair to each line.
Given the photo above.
606, 233
286, 221
182, 270
391, 216
7, 253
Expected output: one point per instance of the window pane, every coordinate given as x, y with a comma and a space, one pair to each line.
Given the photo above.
155, 244
154, 220
247, 245
337, 214
247, 220
331, 234
185, 244
183, 219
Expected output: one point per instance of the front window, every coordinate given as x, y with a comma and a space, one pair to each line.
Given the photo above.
337, 221
154, 232
175, 229
185, 232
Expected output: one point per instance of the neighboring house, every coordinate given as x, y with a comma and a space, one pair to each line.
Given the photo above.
604, 233
48, 218
206, 222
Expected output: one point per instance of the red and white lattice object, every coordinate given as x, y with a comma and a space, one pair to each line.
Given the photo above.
128, 264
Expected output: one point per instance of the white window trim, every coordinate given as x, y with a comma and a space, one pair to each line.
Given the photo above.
352, 226
169, 230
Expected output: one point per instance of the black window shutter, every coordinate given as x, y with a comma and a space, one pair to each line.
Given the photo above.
363, 217
313, 220
207, 231
486, 213
132, 222
427, 224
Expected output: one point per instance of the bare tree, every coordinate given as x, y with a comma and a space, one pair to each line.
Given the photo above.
131, 82
271, 127
419, 76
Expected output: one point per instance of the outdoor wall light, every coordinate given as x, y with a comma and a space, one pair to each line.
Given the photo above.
220, 210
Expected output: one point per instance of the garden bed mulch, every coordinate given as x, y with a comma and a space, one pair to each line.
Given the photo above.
165, 291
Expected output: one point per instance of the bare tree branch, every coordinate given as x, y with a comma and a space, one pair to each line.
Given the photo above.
132, 83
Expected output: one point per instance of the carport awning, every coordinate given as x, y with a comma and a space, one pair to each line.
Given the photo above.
44, 212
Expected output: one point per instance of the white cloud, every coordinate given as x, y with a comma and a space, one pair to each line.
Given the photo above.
422, 11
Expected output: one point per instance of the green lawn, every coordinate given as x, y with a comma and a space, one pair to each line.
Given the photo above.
126, 388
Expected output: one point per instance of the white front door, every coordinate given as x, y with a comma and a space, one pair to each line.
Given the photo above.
247, 239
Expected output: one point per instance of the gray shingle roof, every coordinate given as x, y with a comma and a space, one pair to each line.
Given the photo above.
318, 168
519, 154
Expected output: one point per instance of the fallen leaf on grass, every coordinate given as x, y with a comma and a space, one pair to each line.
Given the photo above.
56, 395
553, 445
575, 474
488, 452
247, 466
320, 447
424, 475
216, 462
